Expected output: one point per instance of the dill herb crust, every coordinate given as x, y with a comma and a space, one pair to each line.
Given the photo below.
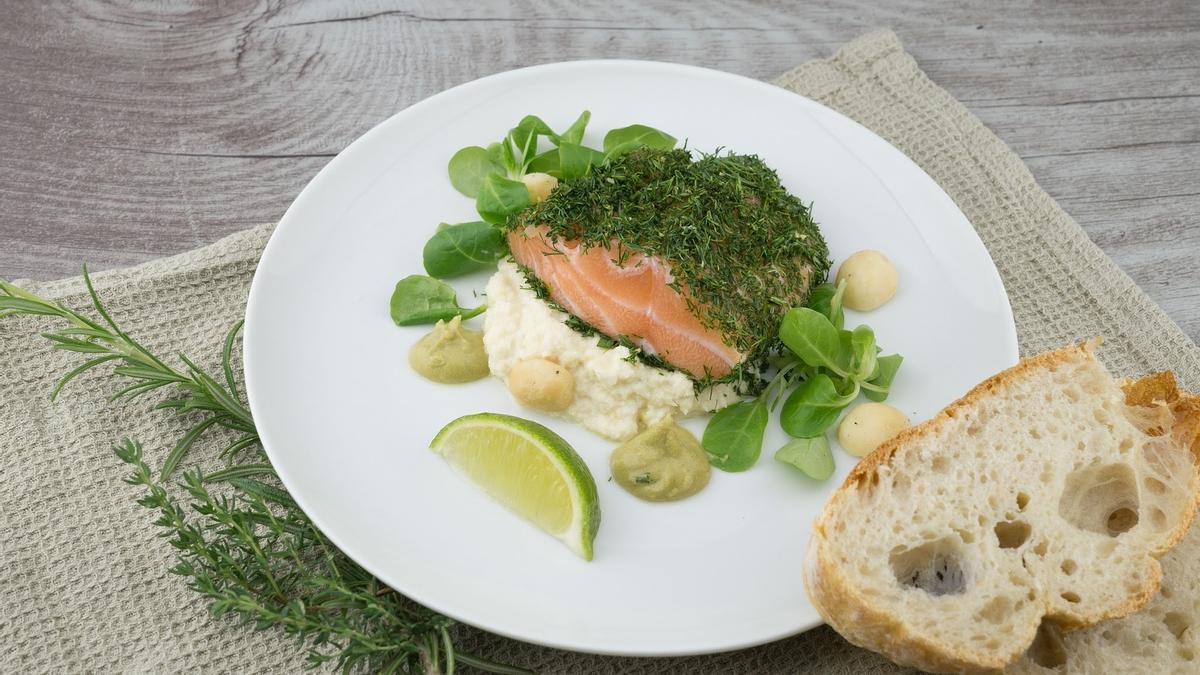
736, 239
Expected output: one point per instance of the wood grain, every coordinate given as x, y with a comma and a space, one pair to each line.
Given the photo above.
134, 130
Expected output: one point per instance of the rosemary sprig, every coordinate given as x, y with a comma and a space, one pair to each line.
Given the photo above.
248, 547
254, 554
104, 342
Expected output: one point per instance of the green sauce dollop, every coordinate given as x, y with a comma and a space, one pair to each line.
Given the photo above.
662, 464
450, 354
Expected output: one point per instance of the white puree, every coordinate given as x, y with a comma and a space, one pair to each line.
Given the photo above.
614, 396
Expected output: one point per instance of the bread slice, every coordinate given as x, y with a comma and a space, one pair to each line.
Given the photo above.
1162, 638
1041, 493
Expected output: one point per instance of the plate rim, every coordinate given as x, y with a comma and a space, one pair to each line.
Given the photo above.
254, 300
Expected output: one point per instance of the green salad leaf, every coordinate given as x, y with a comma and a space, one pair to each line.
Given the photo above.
863, 352
574, 133
811, 455
576, 161
827, 299
812, 337
547, 162
814, 406
422, 300
523, 141
470, 166
733, 438
568, 161
878, 387
500, 197
455, 250
620, 141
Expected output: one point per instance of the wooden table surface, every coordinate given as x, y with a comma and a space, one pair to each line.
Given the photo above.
130, 131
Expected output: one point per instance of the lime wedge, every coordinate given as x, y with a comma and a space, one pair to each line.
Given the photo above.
529, 469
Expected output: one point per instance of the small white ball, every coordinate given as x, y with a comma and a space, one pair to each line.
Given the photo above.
868, 425
542, 384
871, 280
540, 185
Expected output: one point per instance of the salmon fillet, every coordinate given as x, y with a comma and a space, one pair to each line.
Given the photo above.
693, 262
631, 298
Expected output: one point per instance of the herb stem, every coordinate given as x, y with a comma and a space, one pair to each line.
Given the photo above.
490, 666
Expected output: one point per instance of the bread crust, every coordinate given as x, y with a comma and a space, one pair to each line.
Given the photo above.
856, 619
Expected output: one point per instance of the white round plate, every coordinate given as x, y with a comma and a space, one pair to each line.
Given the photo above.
347, 423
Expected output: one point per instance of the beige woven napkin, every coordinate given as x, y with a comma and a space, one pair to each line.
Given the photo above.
84, 579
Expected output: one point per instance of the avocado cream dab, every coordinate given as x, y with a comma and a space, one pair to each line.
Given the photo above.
664, 463
450, 354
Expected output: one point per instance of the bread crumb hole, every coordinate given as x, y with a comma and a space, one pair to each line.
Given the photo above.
1069, 566
1041, 547
1035, 434
1012, 533
1122, 520
1022, 501
934, 567
1187, 654
1071, 597
1154, 485
1158, 519
1126, 444
1176, 623
1047, 649
996, 611
941, 464
1100, 498
1165, 591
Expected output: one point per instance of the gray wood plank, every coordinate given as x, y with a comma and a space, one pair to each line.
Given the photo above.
131, 132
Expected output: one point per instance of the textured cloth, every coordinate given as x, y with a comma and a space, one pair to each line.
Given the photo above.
84, 578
